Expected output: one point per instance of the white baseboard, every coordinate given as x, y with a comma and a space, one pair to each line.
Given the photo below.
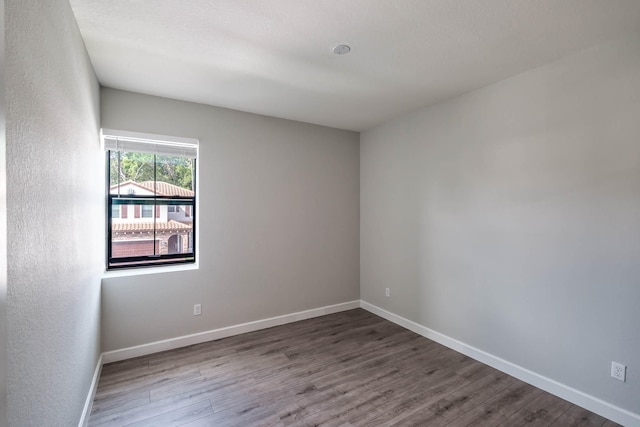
593, 404
84, 419
215, 334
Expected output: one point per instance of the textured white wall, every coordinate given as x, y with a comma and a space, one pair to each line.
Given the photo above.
3, 232
278, 222
509, 219
55, 223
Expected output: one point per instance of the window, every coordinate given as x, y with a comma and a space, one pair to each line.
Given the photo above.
147, 211
149, 176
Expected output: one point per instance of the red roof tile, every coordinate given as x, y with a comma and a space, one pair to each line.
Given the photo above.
163, 188
148, 226
166, 189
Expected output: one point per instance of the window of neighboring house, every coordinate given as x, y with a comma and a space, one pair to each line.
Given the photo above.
147, 211
154, 175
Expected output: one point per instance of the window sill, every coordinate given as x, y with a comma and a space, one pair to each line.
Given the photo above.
149, 270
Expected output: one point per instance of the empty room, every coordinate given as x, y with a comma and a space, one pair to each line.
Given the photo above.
320, 213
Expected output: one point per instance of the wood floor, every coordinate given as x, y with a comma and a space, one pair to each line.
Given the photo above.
346, 369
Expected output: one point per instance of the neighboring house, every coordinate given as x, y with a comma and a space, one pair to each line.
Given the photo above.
137, 228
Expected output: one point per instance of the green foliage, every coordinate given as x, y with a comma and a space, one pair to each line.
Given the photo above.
139, 167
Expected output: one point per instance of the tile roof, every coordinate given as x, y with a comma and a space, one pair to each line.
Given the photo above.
149, 226
166, 189
163, 188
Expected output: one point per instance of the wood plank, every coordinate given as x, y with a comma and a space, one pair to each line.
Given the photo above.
177, 417
542, 411
499, 407
576, 416
103, 407
461, 401
346, 369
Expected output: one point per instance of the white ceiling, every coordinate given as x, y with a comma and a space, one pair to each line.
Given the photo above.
274, 57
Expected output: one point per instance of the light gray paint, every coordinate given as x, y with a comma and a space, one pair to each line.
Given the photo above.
55, 223
509, 219
3, 233
278, 222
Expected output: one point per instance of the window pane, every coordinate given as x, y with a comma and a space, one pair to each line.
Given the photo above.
140, 235
133, 245
113, 168
179, 243
132, 237
174, 176
147, 211
152, 213
131, 170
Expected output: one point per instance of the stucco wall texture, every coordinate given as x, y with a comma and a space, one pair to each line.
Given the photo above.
56, 257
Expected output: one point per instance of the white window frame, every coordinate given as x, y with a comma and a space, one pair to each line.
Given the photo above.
120, 140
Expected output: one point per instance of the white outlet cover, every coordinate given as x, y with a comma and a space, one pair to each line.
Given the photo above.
618, 371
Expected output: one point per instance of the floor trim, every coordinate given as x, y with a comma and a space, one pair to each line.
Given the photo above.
88, 404
593, 404
215, 334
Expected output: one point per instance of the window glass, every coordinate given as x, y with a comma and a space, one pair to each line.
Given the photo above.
147, 193
147, 211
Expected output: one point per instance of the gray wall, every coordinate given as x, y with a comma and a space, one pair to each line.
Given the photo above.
55, 220
509, 219
3, 233
278, 222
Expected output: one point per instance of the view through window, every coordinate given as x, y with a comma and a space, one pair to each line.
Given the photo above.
151, 202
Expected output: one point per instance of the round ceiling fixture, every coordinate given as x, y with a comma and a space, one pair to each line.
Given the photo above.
341, 49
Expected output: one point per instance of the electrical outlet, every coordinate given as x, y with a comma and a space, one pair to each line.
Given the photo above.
197, 309
618, 371
387, 292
